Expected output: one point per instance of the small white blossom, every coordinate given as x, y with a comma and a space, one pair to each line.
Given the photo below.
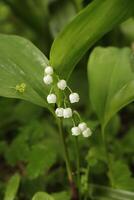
67, 113
49, 70
87, 132
48, 79
82, 126
62, 84
51, 98
74, 97
76, 131
59, 112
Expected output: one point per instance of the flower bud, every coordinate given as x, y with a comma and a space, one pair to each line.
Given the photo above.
87, 132
67, 113
82, 126
49, 70
51, 98
74, 97
59, 112
76, 131
62, 84
48, 79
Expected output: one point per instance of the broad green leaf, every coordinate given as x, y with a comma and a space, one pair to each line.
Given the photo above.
88, 26
111, 81
61, 195
40, 159
20, 148
121, 180
22, 63
35, 144
106, 193
42, 196
12, 187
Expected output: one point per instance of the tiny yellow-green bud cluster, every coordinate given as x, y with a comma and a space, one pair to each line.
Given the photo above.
20, 87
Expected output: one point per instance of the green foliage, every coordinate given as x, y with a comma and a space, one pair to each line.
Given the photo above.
62, 13
42, 196
111, 81
128, 29
127, 142
41, 159
121, 180
61, 195
105, 193
12, 187
32, 145
29, 140
86, 28
23, 64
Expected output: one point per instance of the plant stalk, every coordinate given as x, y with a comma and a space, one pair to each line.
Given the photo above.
78, 166
67, 161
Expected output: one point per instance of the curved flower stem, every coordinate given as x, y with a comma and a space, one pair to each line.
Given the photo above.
69, 89
67, 161
78, 166
77, 114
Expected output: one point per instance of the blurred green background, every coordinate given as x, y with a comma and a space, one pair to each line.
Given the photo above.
29, 142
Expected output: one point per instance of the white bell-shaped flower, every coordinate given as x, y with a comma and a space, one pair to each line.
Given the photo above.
49, 70
67, 113
51, 98
59, 112
82, 126
48, 79
62, 84
74, 97
76, 131
87, 132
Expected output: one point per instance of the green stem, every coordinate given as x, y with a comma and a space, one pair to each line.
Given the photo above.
65, 151
67, 161
78, 166
87, 180
77, 114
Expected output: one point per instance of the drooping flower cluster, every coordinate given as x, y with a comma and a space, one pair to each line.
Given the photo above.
66, 111
81, 129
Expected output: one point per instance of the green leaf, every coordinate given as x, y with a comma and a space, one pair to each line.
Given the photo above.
121, 180
111, 81
61, 15
22, 64
127, 142
87, 27
41, 159
12, 187
102, 192
127, 29
42, 196
62, 195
